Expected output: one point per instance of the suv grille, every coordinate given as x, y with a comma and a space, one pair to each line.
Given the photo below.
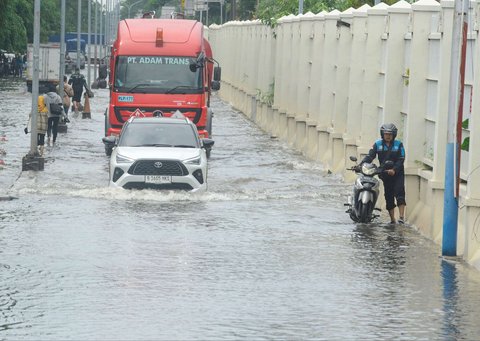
147, 167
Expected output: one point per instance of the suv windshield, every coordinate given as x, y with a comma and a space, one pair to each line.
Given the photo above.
159, 135
157, 74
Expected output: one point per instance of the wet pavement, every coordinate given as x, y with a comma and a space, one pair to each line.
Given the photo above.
266, 253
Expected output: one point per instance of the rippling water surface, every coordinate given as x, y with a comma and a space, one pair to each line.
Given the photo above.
266, 253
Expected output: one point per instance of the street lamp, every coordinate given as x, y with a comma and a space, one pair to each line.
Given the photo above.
130, 6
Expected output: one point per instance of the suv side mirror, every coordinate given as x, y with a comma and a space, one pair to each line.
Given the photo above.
110, 141
208, 143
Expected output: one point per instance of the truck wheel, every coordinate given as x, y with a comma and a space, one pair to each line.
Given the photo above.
209, 123
107, 122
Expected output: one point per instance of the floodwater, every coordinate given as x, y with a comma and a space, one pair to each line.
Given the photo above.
266, 253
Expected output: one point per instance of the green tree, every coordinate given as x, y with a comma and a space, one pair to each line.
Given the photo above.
13, 35
269, 11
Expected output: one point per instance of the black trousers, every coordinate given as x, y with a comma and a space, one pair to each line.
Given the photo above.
394, 187
53, 127
40, 139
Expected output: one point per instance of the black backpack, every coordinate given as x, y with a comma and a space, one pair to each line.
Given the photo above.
56, 109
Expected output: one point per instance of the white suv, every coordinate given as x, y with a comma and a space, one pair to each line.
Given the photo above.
159, 153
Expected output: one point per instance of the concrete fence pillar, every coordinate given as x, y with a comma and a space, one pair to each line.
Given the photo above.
294, 78
305, 64
396, 75
336, 157
356, 83
268, 70
302, 86
327, 92
418, 128
317, 66
277, 100
425, 14
313, 112
357, 72
376, 22
287, 98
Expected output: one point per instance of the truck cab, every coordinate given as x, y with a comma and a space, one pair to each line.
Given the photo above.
160, 66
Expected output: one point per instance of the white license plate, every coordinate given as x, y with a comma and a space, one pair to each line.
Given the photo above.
158, 179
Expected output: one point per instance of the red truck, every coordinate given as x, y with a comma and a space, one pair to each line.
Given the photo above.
159, 67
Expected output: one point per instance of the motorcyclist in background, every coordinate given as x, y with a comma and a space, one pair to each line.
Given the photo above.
388, 148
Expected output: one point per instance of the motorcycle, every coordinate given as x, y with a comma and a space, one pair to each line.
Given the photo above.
361, 205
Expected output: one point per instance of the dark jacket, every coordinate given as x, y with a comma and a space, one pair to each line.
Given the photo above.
395, 153
77, 81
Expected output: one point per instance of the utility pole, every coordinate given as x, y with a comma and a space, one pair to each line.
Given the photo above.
62, 126
300, 6
102, 34
33, 160
62, 48
79, 29
455, 111
95, 64
89, 40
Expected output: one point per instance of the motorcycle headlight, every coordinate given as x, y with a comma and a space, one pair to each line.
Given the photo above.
123, 159
195, 161
368, 170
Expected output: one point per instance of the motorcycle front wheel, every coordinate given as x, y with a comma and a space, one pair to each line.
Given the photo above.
364, 211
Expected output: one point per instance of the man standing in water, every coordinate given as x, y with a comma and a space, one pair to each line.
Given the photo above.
388, 148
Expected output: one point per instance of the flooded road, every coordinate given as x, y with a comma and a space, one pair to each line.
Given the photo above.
266, 253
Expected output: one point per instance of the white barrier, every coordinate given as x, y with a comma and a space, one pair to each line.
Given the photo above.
326, 82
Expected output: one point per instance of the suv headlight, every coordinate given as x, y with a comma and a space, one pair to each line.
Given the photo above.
123, 159
195, 161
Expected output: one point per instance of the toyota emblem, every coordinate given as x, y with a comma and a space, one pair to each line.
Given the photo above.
158, 164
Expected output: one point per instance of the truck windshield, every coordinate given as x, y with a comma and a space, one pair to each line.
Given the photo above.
157, 74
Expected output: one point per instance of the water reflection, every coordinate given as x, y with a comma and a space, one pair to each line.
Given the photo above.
382, 247
450, 301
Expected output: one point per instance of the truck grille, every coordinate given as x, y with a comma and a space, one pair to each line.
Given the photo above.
123, 113
168, 167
